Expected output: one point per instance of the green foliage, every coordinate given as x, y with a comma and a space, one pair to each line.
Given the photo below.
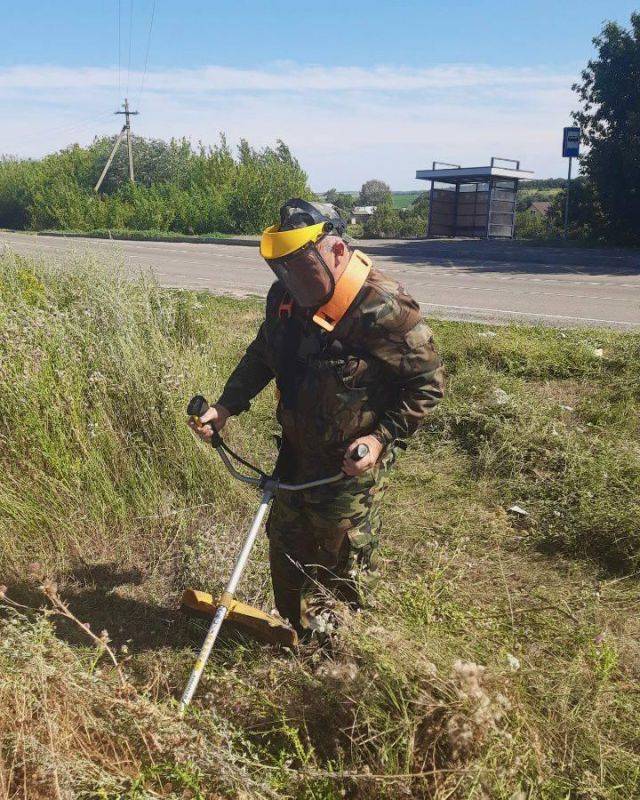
420, 205
388, 222
610, 122
533, 226
177, 189
586, 220
544, 184
343, 201
374, 192
384, 223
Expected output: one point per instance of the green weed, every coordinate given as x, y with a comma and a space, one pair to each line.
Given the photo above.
499, 655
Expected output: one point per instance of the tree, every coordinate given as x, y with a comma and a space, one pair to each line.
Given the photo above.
374, 193
420, 206
586, 220
331, 196
154, 161
342, 201
610, 122
383, 223
177, 188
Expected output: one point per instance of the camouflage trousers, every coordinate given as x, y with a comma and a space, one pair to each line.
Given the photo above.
322, 545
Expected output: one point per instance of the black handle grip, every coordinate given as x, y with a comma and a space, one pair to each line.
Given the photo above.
359, 452
196, 408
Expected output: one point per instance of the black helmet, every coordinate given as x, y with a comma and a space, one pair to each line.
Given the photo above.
298, 213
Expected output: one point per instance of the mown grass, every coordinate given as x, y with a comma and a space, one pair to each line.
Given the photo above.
499, 658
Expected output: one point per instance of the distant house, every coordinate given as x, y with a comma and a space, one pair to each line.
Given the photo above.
361, 214
540, 208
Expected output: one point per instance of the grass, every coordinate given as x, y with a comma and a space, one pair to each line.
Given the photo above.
142, 236
499, 658
405, 199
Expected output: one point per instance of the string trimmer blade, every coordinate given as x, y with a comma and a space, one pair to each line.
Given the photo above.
245, 618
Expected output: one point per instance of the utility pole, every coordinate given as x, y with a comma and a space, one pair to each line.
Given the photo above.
125, 132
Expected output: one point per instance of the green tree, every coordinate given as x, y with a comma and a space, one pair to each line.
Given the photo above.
341, 200
374, 193
331, 196
420, 206
610, 121
178, 188
586, 220
154, 161
384, 223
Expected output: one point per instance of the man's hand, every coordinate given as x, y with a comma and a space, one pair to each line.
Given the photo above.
355, 468
217, 415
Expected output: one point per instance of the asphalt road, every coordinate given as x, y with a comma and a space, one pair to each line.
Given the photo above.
492, 282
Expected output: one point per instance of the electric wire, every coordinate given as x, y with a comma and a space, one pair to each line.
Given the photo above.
67, 128
146, 57
119, 3
130, 39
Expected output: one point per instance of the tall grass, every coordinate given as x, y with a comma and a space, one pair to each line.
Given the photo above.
95, 373
498, 658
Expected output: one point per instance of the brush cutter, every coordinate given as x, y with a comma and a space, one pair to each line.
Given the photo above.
259, 624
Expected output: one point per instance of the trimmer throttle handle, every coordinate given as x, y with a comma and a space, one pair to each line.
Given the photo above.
196, 408
359, 452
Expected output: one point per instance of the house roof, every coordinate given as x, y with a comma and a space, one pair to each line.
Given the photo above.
541, 207
364, 209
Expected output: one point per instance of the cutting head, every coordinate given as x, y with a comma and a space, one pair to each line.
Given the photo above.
245, 618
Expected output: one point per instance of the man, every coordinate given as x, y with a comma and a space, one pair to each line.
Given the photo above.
354, 365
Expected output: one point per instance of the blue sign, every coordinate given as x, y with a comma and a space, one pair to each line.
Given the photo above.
571, 143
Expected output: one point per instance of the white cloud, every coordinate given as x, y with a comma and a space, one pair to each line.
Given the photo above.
345, 124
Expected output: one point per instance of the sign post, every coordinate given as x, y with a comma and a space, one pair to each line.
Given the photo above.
570, 150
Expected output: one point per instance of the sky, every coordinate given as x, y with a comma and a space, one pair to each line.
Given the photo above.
356, 89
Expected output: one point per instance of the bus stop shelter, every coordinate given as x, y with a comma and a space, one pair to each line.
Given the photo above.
473, 201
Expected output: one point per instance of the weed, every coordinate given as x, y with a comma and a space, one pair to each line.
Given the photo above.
498, 658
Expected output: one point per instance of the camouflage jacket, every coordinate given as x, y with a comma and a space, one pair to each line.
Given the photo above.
377, 372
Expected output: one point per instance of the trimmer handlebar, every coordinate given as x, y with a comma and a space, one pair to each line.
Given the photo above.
198, 405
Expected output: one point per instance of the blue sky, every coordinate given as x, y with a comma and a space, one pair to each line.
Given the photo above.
357, 89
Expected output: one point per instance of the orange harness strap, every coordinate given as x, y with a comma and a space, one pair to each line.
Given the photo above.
347, 288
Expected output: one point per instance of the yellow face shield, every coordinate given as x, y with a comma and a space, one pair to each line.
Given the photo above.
306, 276
276, 243
292, 250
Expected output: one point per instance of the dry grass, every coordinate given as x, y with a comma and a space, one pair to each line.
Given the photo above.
499, 658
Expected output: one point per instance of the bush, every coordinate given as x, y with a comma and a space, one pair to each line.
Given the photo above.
388, 223
177, 189
533, 226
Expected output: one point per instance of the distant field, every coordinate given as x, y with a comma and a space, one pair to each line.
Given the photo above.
405, 199
400, 199
549, 193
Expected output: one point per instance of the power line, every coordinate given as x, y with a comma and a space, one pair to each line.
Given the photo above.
68, 128
130, 38
119, 47
146, 57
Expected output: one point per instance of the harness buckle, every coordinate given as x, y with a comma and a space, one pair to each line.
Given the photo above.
285, 310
